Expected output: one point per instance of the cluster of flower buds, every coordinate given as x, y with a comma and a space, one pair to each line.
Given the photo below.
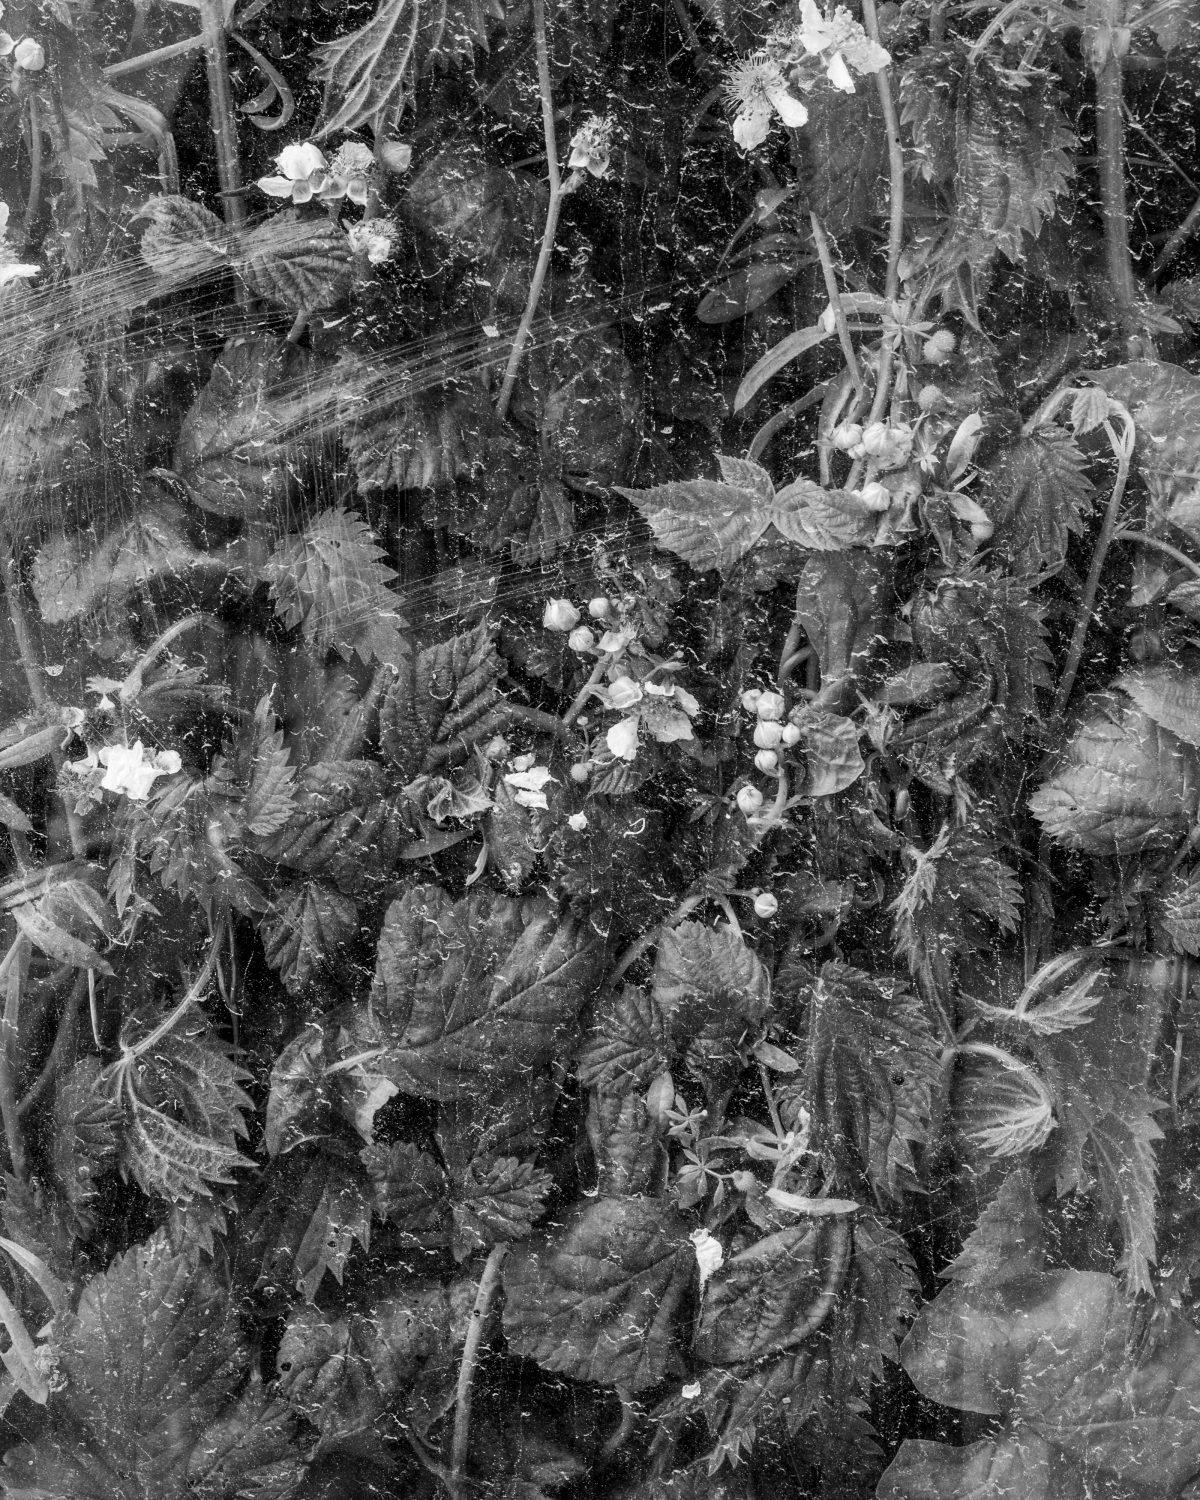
939, 347
887, 444
27, 55
770, 732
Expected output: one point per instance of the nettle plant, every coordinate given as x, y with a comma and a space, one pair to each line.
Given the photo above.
600, 747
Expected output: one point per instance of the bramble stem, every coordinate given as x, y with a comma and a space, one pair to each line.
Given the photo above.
1123, 448
152, 59
558, 191
489, 1282
221, 113
835, 301
33, 202
11, 968
1110, 148
891, 123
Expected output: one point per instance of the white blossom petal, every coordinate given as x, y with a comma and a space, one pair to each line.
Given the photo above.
622, 739
752, 125
839, 74
790, 109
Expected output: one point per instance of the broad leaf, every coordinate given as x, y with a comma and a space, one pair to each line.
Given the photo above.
1001, 1105
714, 994
628, 1046
480, 991
1036, 492
757, 1302
1168, 696
332, 582
308, 924
597, 1298
441, 700
497, 1201
300, 264
343, 827
1008, 1241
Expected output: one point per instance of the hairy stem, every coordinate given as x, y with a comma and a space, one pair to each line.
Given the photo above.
153, 59
489, 1283
1110, 146
835, 301
1123, 448
558, 191
221, 113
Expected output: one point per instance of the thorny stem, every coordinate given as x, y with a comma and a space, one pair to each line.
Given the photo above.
40, 698
558, 191
1123, 448
221, 113
33, 202
488, 1284
1110, 145
835, 301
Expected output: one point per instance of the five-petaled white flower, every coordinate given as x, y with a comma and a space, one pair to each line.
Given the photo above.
758, 90
303, 173
128, 769
841, 44
591, 146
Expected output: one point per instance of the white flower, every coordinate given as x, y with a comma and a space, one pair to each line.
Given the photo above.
129, 771
847, 435
527, 785
709, 1254
876, 496
577, 822
791, 734
749, 799
599, 608
560, 614
767, 761
622, 739
768, 734
374, 236
765, 905
759, 91
581, 639
841, 44
591, 146
303, 172
614, 641
350, 173
29, 55
623, 693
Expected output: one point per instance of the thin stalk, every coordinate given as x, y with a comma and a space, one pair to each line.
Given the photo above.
60, 1052
585, 692
1110, 146
33, 203
833, 292
489, 1283
13, 967
891, 121
558, 191
1140, 537
1123, 448
221, 113
769, 1096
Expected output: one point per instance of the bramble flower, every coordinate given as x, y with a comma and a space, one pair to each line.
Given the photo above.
622, 692
622, 738
758, 90
303, 172
841, 44
577, 822
374, 236
128, 770
351, 173
527, 783
750, 800
591, 146
710, 1255
29, 55
765, 905
560, 614
582, 639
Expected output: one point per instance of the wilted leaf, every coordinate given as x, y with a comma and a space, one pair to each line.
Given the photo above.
597, 1298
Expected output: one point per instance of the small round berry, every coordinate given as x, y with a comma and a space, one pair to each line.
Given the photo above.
581, 639
765, 905
791, 734
580, 771
930, 397
750, 800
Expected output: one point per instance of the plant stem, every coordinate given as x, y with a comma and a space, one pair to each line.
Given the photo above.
769, 1096
13, 969
835, 301
581, 697
1140, 537
64, 1043
1123, 448
221, 113
33, 201
1110, 146
558, 191
152, 59
488, 1285
891, 123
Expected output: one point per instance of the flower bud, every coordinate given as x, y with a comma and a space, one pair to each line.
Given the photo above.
982, 530
939, 347
875, 439
791, 734
560, 614
623, 692
770, 706
930, 397
29, 55
577, 822
581, 639
876, 496
599, 608
580, 771
767, 761
660, 1096
847, 435
749, 799
767, 734
765, 905
750, 699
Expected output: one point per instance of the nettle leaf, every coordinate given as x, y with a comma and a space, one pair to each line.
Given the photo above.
332, 582
1000, 1103
369, 74
343, 827
300, 264
314, 1204
628, 1046
1123, 784
872, 1063
148, 1360
183, 1105
237, 450
497, 1201
757, 1302
1036, 491
411, 1190
711, 524
1179, 914
85, 1140
714, 993
1164, 400
1168, 696
1055, 1355
442, 699
597, 1298
1009, 1240
482, 990
307, 924
62, 917
880, 1298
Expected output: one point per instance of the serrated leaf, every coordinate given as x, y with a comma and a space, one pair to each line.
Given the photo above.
343, 826
709, 524
833, 760
306, 926
410, 1187
331, 581
1036, 492
497, 1201
597, 1298
482, 990
61, 921
269, 797
714, 993
1008, 1241
1179, 914
300, 264
1000, 1104
757, 1302
1169, 696
627, 1047
1123, 784
445, 697
184, 241
369, 74
85, 1140
880, 1298
823, 520
314, 1204
1061, 996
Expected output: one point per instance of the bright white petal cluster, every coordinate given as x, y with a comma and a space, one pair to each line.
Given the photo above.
128, 769
840, 43
758, 91
591, 146
374, 238
302, 173
528, 783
